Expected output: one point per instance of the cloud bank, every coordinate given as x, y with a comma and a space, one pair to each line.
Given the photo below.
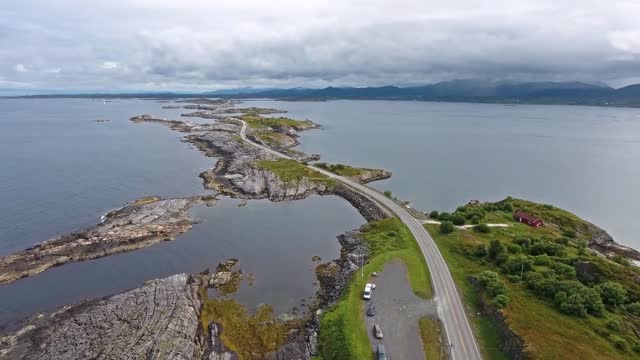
213, 44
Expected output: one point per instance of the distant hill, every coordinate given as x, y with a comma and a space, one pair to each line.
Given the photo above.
577, 93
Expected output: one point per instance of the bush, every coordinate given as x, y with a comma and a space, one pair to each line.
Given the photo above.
388, 193
434, 214
524, 242
614, 325
491, 282
564, 270
542, 260
563, 241
612, 293
495, 248
457, 219
446, 227
482, 228
618, 342
517, 264
475, 220
444, 216
481, 251
514, 249
634, 308
570, 233
501, 301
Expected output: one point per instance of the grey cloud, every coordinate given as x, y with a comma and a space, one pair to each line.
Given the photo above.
198, 44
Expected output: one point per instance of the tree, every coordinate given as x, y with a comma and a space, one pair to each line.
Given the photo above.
482, 228
481, 251
495, 248
446, 227
433, 214
612, 293
444, 216
501, 301
573, 304
475, 220
524, 242
457, 219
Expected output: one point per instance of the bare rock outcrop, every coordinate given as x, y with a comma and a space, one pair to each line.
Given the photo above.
140, 224
602, 242
159, 320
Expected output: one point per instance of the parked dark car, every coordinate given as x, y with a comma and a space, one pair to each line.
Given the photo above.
381, 354
371, 310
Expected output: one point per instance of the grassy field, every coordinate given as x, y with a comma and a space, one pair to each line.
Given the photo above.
261, 122
342, 331
548, 332
431, 333
291, 171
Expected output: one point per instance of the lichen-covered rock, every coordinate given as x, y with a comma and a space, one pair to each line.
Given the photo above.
159, 320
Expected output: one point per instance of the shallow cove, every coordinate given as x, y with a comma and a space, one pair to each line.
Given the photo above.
275, 242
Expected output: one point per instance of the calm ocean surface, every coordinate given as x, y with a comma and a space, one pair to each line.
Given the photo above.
61, 170
583, 159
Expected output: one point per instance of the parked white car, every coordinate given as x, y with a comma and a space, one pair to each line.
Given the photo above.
367, 291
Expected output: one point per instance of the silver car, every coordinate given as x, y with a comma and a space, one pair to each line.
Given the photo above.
377, 331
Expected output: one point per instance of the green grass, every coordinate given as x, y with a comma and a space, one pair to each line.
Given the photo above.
548, 333
291, 171
342, 331
431, 333
486, 333
260, 122
344, 170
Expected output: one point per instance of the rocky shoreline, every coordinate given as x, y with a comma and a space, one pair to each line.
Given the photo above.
139, 224
163, 317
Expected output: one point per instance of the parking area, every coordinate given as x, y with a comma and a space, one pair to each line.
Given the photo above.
397, 313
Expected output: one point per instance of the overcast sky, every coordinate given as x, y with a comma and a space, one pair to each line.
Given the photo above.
212, 44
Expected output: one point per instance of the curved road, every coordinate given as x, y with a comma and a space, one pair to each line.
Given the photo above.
450, 309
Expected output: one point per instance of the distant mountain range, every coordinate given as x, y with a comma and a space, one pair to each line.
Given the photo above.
577, 93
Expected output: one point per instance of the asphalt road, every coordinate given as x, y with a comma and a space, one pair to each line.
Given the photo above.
398, 310
450, 309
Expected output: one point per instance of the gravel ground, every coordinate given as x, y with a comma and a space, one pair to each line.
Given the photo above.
397, 312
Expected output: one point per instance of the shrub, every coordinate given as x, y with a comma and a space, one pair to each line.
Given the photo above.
612, 293
514, 249
388, 193
614, 325
569, 233
564, 270
481, 251
563, 241
457, 219
542, 260
501, 301
634, 308
495, 248
482, 228
434, 214
524, 242
475, 220
491, 282
444, 216
446, 227
621, 260
517, 264
618, 342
